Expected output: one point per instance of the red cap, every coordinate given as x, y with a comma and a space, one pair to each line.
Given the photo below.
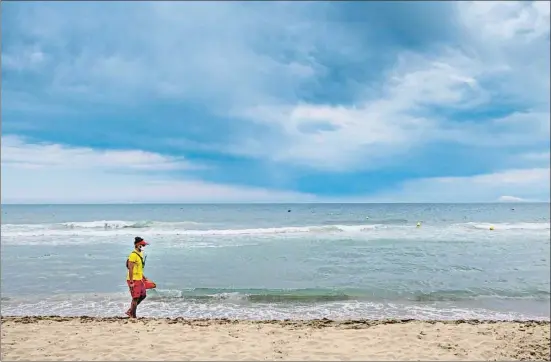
140, 241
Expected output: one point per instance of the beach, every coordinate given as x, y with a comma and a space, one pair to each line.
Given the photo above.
257, 282
88, 338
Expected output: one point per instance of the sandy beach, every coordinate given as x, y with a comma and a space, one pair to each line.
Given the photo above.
86, 338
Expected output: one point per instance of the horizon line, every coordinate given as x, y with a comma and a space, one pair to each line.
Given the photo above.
269, 203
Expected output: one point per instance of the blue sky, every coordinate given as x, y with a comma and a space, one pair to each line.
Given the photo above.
275, 102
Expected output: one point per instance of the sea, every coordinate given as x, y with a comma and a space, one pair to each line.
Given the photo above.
281, 261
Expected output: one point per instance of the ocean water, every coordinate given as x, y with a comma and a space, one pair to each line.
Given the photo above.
277, 261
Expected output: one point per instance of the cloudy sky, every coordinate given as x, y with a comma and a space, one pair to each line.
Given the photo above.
275, 102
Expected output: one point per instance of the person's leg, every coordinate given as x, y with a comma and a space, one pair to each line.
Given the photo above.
135, 293
133, 306
143, 292
140, 294
141, 298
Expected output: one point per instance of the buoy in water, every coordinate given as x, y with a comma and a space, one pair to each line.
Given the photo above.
492, 227
418, 224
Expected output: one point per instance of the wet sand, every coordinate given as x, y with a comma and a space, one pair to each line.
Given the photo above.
88, 338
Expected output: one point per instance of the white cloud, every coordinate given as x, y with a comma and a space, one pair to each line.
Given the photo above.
528, 184
507, 58
506, 198
216, 52
512, 36
18, 154
53, 173
535, 159
376, 130
247, 65
24, 59
516, 129
537, 156
507, 19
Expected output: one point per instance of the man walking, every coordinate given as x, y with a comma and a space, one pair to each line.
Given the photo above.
135, 278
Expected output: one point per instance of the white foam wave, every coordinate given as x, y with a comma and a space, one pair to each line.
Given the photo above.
121, 226
509, 226
104, 224
108, 307
118, 224
97, 231
95, 228
286, 230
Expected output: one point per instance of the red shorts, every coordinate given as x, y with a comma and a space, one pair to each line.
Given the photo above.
138, 290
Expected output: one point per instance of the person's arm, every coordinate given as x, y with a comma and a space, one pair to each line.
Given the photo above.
131, 272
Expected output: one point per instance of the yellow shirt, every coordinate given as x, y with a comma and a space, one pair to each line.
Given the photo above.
138, 266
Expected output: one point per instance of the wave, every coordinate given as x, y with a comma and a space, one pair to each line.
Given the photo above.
117, 224
100, 225
253, 295
190, 228
205, 295
369, 221
338, 311
458, 295
509, 226
165, 228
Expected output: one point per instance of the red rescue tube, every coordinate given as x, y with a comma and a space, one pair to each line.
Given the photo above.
149, 284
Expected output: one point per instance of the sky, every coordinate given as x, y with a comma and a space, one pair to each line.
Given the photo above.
116, 102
